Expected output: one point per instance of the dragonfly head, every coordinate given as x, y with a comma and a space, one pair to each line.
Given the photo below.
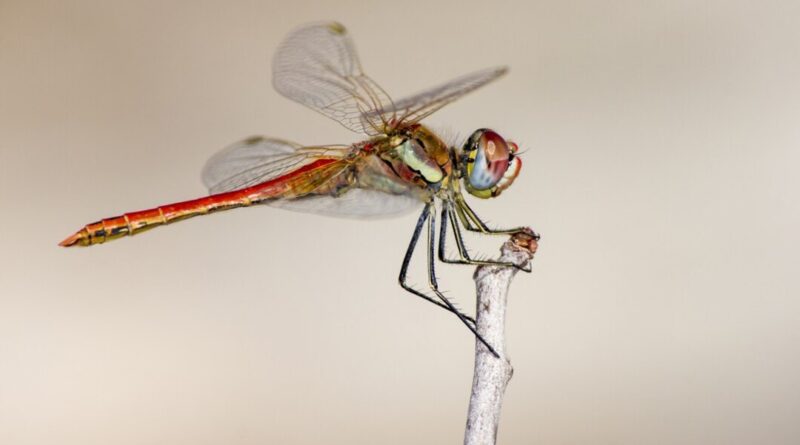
489, 163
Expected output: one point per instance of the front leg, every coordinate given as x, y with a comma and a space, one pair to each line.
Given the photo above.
468, 217
464, 258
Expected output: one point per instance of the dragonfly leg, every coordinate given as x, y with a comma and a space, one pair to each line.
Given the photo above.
426, 213
468, 217
435, 286
463, 253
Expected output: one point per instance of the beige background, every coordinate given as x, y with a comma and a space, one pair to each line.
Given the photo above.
662, 144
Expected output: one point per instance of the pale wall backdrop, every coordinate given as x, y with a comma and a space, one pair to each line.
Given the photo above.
661, 168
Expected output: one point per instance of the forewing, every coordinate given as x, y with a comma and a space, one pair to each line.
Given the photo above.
317, 66
258, 159
414, 108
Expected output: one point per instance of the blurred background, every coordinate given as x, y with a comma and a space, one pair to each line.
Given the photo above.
661, 154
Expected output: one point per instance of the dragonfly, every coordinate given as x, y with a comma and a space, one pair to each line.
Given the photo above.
402, 165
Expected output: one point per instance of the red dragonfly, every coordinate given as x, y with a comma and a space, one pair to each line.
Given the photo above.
401, 166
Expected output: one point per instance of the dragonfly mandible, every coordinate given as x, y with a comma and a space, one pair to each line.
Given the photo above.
401, 166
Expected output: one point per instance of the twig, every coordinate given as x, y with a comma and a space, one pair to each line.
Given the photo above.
492, 374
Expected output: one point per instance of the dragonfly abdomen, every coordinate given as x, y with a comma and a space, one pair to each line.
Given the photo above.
136, 222
288, 186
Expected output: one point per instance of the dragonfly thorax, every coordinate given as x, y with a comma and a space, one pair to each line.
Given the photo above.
418, 156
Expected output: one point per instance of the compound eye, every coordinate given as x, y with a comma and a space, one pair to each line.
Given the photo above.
489, 157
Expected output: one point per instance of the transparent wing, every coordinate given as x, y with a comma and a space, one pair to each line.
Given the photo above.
356, 203
317, 66
414, 108
258, 159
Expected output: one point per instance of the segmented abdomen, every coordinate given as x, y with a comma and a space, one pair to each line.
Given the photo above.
288, 186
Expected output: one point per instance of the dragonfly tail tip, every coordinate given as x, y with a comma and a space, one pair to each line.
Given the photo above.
74, 239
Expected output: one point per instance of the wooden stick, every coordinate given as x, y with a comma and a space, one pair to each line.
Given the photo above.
492, 374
